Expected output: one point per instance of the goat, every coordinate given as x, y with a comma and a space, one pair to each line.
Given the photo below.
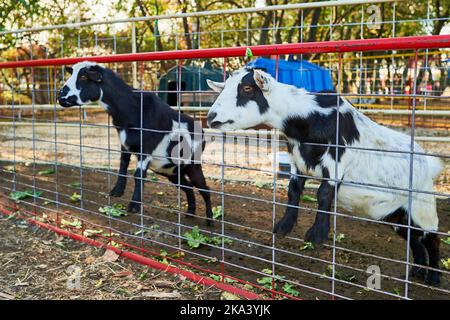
158, 127
309, 121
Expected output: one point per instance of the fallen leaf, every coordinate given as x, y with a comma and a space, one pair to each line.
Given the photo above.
99, 283
161, 295
228, 296
9, 168
19, 283
46, 172
110, 256
89, 260
124, 273
163, 284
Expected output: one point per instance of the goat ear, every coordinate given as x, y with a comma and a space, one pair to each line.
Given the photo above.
94, 75
216, 86
69, 69
262, 80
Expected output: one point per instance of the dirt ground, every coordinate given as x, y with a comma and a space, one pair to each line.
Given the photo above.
248, 222
38, 264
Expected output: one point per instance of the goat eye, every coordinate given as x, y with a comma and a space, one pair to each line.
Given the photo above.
247, 88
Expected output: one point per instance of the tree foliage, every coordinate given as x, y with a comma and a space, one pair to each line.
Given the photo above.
406, 18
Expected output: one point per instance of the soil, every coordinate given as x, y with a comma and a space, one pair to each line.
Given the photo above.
37, 264
248, 221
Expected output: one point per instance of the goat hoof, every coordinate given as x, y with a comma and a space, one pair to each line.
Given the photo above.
316, 235
418, 273
116, 192
282, 228
190, 213
433, 278
133, 207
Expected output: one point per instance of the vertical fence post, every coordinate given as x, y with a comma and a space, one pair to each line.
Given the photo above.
142, 163
222, 186
33, 119
274, 147
134, 50
55, 131
411, 172
179, 97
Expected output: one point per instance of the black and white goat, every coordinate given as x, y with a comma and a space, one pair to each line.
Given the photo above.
161, 131
309, 121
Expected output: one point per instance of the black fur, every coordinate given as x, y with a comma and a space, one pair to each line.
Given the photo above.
254, 95
314, 133
328, 99
125, 110
420, 244
296, 187
321, 129
91, 91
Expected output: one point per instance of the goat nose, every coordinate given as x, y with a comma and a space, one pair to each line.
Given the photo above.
211, 116
64, 90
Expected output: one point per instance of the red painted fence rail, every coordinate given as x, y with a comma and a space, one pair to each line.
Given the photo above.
400, 43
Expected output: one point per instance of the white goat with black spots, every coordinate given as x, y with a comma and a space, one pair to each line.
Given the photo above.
371, 183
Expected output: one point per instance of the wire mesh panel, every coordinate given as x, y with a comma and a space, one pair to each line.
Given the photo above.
60, 166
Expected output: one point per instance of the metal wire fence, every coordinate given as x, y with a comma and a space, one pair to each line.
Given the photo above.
60, 165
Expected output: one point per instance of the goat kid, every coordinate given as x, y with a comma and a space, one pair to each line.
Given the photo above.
376, 182
160, 133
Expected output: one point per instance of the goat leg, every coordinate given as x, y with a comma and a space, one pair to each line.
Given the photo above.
286, 224
318, 232
141, 173
121, 182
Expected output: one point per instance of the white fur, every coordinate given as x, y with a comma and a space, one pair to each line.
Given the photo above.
123, 138
101, 103
142, 165
216, 86
386, 169
160, 157
389, 170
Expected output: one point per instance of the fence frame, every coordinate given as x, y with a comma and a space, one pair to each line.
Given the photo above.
403, 43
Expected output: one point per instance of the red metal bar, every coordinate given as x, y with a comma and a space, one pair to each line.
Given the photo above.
400, 43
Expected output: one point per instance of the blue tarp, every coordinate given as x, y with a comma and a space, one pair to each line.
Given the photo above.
302, 74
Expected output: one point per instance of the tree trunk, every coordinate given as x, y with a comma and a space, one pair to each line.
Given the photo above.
313, 27
279, 23
265, 28
153, 28
268, 16
439, 24
186, 32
